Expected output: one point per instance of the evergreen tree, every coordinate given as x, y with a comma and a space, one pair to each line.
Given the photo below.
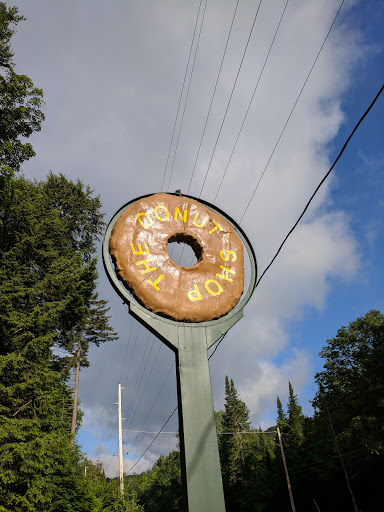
233, 444
46, 291
240, 453
295, 420
282, 420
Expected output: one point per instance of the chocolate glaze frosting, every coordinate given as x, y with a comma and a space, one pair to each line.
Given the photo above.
138, 246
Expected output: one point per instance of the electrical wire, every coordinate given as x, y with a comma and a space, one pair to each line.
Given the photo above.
302, 214
111, 414
187, 95
154, 402
321, 182
292, 110
133, 353
217, 345
154, 439
230, 98
126, 349
273, 259
181, 95
213, 96
139, 378
251, 100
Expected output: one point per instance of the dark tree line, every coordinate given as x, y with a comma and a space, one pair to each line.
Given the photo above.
335, 458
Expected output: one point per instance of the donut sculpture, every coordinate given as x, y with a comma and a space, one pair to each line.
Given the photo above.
138, 245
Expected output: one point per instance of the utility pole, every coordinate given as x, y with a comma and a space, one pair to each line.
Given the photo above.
120, 444
76, 394
286, 471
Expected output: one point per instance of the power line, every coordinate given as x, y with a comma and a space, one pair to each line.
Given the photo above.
126, 349
293, 108
154, 402
322, 181
187, 95
133, 353
230, 98
213, 95
251, 100
154, 439
145, 387
273, 259
137, 382
306, 207
181, 95
111, 415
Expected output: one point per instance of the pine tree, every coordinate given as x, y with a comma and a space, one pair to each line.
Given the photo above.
46, 293
281, 416
295, 420
234, 446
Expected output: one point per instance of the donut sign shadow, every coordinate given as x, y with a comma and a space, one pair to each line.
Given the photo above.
189, 308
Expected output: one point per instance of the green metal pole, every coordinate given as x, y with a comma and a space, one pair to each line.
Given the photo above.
197, 424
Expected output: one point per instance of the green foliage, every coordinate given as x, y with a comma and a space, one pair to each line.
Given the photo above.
244, 454
46, 292
295, 434
282, 420
114, 502
351, 386
20, 102
9, 18
233, 444
159, 489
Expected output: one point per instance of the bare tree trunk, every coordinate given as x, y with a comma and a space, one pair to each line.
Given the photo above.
76, 394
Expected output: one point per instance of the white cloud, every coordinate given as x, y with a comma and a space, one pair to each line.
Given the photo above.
272, 381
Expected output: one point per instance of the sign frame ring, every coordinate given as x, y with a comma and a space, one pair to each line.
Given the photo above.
129, 299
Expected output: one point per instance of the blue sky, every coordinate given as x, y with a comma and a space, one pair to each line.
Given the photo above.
112, 74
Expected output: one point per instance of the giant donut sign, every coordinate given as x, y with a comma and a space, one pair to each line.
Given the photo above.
138, 246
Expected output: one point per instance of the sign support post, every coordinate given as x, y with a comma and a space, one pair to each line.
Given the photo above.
200, 460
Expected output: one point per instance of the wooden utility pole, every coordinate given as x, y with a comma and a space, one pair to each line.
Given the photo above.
120, 445
286, 471
76, 394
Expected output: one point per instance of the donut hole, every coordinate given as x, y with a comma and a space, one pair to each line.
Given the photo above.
184, 250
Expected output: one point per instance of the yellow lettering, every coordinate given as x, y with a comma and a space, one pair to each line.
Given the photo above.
143, 214
147, 267
155, 283
199, 225
217, 226
139, 249
160, 207
178, 213
227, 256
224, 274
219, 288
195, 293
